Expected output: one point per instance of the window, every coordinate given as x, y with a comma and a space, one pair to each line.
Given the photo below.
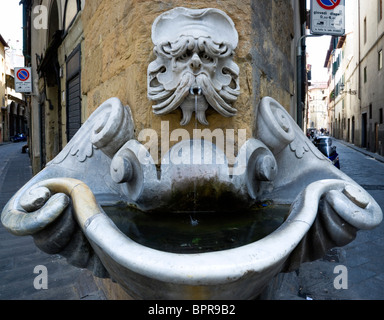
370, 111
380, 59
365, 30
72, 7
365, 74
379, 10
73, 93
381, 116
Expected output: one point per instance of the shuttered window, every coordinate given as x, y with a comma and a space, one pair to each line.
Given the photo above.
73, 93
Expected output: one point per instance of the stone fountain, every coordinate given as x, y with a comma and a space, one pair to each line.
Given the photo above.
66, 207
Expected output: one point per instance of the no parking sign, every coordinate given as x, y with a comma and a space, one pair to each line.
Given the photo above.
328, 17
23, 80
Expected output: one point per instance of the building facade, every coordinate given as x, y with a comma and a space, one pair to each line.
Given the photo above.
3, 113
355, 64
317, 104
14, 114
53, 39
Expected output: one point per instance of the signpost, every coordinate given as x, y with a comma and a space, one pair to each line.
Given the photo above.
328, 17
23, 80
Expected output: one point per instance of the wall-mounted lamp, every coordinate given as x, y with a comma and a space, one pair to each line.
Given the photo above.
350, 91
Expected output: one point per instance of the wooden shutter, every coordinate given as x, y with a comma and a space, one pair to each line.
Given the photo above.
73, 93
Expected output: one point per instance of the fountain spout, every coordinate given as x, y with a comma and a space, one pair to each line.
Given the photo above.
196, 91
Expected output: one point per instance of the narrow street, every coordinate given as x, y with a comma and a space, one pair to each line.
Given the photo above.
364, 169
364, 257
19, 256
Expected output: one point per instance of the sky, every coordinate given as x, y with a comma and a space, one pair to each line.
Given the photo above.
317, 48
11, 22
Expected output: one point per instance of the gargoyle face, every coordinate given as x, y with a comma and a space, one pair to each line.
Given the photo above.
194, 64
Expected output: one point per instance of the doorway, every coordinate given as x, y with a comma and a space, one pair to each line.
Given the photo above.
376, 138
353, 131
349, 131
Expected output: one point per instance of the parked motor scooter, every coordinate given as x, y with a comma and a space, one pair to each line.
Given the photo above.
20, 137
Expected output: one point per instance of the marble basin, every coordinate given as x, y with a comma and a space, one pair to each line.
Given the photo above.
103, 165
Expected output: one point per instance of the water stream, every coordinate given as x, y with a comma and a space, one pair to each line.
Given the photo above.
194, 222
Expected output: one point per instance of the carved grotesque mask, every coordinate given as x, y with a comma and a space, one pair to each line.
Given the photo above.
194, 67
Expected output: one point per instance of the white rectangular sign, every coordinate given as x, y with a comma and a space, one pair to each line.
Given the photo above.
23, 80
328, 17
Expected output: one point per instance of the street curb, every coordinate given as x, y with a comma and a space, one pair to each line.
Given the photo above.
4, 143
361, 150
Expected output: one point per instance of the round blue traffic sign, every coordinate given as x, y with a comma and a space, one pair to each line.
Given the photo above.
328, 4
22, 75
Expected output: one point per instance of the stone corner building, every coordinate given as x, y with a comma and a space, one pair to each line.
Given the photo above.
84, 52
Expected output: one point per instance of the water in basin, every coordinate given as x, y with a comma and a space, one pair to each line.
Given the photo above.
197, 232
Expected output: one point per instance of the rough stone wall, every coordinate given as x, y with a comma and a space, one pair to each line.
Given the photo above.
273, 32
118, 50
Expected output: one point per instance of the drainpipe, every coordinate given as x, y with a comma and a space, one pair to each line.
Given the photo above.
299, 62
299, 107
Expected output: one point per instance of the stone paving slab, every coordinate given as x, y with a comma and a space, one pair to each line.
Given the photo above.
364, 257
19, 256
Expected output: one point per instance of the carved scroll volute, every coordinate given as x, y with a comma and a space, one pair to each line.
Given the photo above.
126, 168
107, 129
113, 129
261, 166
274, 127
134, 167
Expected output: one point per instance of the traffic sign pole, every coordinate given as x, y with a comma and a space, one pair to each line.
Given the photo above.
299, 69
